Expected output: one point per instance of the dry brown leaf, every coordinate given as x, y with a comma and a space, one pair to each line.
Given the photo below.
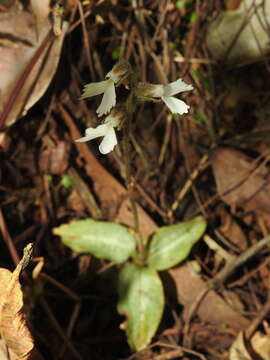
41, 11
238, 350
261, 344
13, 328
212, 309
54, 159
20, 42
4, 355
241, 34
74, 200
240, 183
231, 230
257, 348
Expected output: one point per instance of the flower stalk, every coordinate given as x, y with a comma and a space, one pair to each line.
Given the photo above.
120, 117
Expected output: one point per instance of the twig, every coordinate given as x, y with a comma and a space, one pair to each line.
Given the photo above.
86, 41
59, 329
187, 186
166, 139
223, 275
57, 284
151, 202
171, 354
85, 194
8, 240
192, 311
258, 319
73, 319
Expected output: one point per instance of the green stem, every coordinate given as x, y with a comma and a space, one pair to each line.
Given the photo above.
130, 107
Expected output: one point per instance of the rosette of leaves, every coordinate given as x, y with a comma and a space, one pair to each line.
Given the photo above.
141, 294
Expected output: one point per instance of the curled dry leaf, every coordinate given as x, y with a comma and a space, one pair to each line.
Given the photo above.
21, 35
13, 328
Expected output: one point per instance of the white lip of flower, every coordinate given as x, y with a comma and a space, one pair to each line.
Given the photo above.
107, 131
166, 92
106, 87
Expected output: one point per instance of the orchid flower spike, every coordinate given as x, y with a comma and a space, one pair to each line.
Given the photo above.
105, 130
166, 92
107, 87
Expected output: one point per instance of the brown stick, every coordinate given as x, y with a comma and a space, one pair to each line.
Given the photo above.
8, 240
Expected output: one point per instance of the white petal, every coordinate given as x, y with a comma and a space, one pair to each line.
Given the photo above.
83, 139
111, 120
176, 87
94, 89
92, 133
175, 105
109, 99
112, 76
156, 90
109, 141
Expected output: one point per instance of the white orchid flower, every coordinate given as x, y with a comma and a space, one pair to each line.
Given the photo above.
166, 93
107, 87
105, 130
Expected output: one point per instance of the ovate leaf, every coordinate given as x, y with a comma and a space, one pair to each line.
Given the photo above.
105, 240
141, 300
172, 244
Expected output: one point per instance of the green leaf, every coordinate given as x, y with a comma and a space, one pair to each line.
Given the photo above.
172, 244
105, 240
141, 300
